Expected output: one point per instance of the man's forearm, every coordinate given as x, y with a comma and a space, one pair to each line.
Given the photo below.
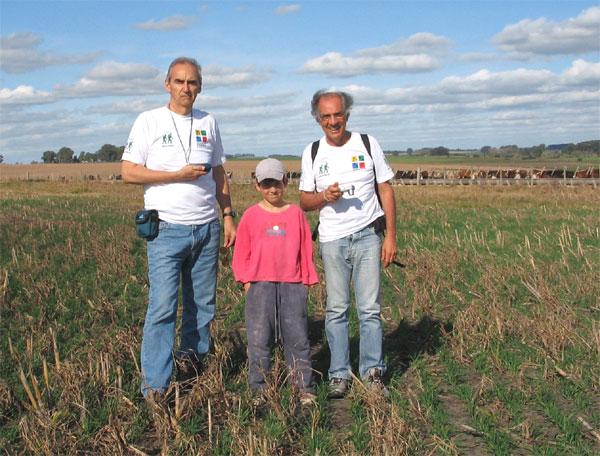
388, 203
134, 173
311, 201
223, 196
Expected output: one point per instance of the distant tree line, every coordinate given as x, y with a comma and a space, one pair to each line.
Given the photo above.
526, 153
107, 153
512, 150
240, 156
110, 153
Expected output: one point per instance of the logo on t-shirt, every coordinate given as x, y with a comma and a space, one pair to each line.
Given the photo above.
167, 139
358, 162
201, 136
324, 169
275, 230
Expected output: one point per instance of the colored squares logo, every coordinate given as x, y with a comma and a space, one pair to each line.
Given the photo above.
358, 162
201, 136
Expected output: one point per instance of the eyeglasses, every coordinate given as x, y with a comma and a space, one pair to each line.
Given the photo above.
268, 183
332, 117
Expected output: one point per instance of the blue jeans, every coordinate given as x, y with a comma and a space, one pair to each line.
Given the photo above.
353, 259
186, 254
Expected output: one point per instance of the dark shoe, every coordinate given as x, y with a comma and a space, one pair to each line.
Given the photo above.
374, 382
187, 367
338, 387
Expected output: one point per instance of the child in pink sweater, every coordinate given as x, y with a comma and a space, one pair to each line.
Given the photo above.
273, 259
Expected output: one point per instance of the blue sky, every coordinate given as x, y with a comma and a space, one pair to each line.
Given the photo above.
462, 74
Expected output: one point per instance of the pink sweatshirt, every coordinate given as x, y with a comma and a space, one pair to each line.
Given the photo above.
274, 247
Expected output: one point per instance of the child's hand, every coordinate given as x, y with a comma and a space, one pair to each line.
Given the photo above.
246, 287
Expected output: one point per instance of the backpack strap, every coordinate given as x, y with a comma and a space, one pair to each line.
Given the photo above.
315, 146
366, 142
313, 153
314, 149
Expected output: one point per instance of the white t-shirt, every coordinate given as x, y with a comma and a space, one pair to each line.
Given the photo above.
160, 140
348, 165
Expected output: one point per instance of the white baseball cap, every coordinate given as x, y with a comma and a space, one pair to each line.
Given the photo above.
269, 168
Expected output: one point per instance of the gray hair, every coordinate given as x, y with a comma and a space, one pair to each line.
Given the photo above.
187, 60
347, 101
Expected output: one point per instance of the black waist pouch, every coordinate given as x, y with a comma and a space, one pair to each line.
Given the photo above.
379, 224
315, 232
146, 223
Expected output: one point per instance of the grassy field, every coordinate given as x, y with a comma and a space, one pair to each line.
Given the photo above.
492, 333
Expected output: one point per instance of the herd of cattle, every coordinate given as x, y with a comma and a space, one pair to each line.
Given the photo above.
508, 173
484, 174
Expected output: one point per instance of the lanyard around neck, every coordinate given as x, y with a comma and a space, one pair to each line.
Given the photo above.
189, 151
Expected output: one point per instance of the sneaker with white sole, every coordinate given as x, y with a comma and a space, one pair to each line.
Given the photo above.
338, 387
374, 382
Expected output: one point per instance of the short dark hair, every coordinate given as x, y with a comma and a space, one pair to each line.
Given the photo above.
347, 101
187, 60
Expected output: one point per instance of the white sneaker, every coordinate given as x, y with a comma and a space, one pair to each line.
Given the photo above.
374, 382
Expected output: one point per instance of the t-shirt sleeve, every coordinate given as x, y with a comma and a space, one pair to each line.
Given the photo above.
241, 252
382, 169
137, 147
307, 176
307, 264
218, 156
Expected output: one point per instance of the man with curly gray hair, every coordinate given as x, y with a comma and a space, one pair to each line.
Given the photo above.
345, 176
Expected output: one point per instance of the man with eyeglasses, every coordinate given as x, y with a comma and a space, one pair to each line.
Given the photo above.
175, 151
341, 176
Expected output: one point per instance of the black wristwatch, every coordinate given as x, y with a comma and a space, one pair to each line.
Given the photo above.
231, 213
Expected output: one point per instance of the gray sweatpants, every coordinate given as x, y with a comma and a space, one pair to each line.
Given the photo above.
278, 310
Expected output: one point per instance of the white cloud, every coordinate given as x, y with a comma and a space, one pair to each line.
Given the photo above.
177, 22
126, 107
419, 43
221, 76
19, 54
541, 36
335, 64
126, 80
234, 103
117, 71
507, 82
114, 78
37, 132
24, 95
583, 73
417, 54
21, 40
485, 90
287, 9
129, 79
471, 57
